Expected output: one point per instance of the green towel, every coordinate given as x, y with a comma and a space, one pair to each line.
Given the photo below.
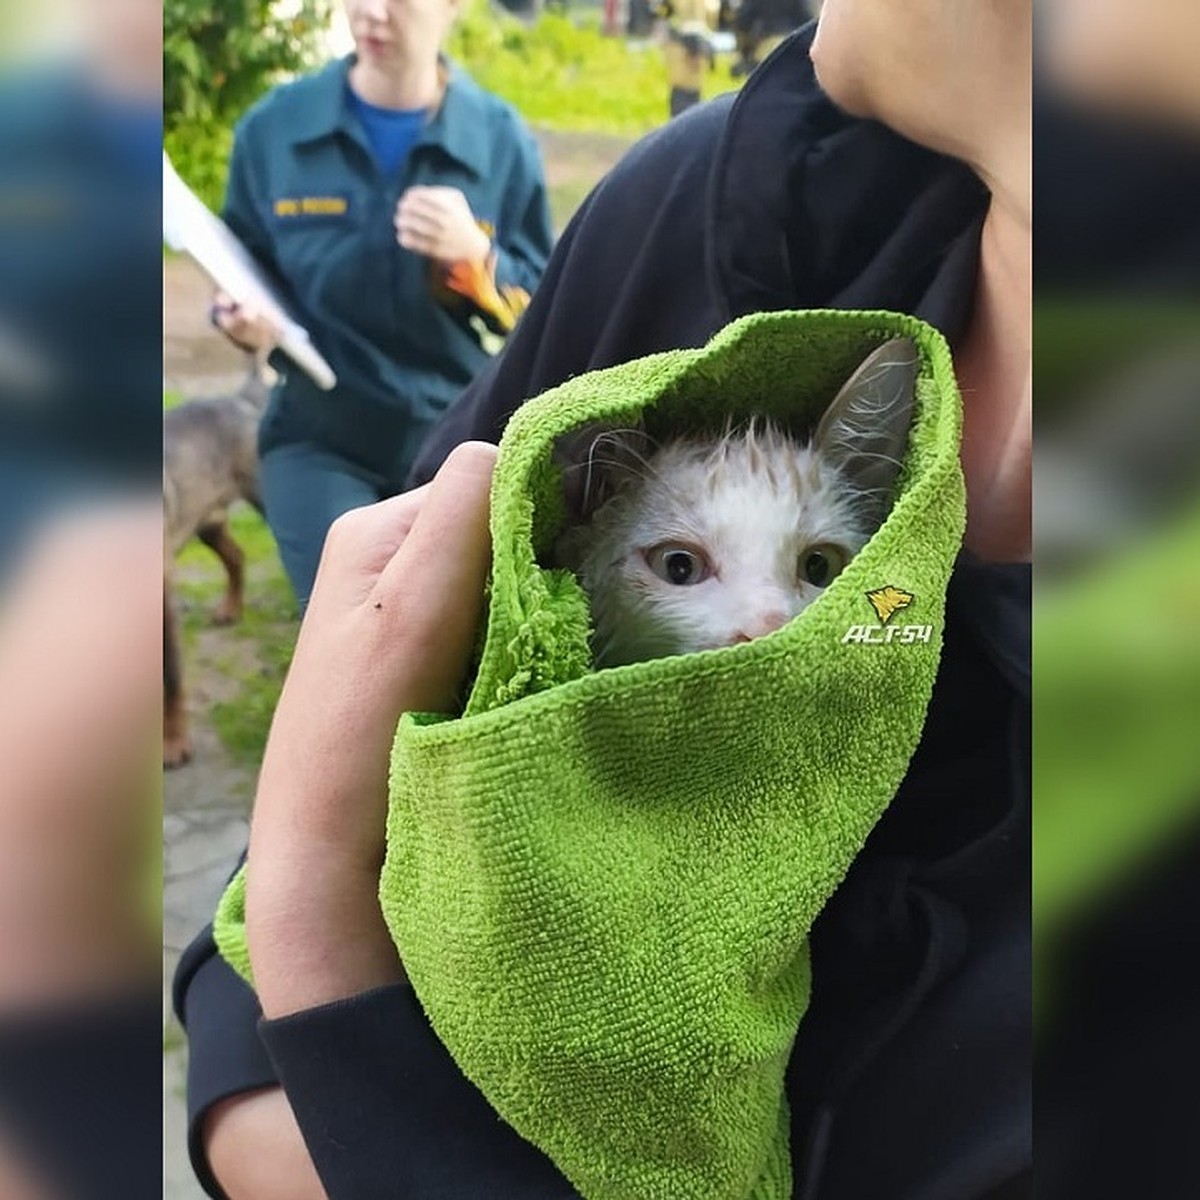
602, 883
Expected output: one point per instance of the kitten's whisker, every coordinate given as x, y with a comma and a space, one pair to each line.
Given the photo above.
621, 439
874, 454
647, 470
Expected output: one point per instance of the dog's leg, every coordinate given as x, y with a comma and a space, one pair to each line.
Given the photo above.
177, 744
218, 539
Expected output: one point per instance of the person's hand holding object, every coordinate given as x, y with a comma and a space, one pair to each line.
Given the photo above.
389, 629
244, 327
438, 222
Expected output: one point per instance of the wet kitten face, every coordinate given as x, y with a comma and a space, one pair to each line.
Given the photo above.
711, 544
701, 543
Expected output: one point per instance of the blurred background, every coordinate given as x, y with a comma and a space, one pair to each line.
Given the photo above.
80, 587
1116, 641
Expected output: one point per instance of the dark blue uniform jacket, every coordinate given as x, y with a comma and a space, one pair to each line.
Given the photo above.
307, 198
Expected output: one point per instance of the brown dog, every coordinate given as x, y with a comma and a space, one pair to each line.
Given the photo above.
210, 461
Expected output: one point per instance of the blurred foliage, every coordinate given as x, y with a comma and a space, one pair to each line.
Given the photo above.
1082, 340
219, 56
200, 152
564, 73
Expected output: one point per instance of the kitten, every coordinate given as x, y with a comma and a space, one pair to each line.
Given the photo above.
700, 542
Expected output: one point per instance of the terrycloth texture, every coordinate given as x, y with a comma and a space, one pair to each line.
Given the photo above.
601, 883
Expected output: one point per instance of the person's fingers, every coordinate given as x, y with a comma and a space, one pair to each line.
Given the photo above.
389, 627
416, 245
243, 324
420, 217
358, 547
435, 207
443, 196
419, 225
421, 236
417, 200
429, 193
436, 581
318, 832
427, 201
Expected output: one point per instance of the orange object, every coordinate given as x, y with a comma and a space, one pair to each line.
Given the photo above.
476, 281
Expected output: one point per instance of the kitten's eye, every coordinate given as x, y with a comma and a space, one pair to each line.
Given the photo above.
821, 565
679, 565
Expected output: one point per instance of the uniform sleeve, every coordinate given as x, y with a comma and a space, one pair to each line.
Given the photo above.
525, 239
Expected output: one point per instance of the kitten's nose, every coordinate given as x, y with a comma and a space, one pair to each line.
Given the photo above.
761, 626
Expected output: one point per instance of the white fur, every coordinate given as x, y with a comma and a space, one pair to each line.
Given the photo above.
755, 501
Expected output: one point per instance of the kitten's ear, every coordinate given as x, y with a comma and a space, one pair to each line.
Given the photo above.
865, 430
594, 458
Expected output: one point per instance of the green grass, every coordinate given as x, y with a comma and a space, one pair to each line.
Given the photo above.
565, 198
253, 655
173, 1037
562, 73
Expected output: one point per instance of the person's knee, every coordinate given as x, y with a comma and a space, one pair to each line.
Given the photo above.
255, 1151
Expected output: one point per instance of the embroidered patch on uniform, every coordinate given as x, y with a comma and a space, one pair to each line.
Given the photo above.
312, 206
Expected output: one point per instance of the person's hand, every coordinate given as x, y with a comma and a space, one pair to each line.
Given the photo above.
242, 325
438, 222
389, 629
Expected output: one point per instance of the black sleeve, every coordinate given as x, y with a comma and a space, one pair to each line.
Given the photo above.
773, 200
413, 1127
226, 1056
383, 1108
80, 1096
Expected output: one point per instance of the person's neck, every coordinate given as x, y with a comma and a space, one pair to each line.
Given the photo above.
408, 86
994, 367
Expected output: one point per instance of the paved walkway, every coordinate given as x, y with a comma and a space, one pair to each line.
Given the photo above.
206, 804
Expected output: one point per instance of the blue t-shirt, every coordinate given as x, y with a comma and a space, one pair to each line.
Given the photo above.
392, 132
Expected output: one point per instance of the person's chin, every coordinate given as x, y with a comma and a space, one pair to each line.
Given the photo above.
837, 78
